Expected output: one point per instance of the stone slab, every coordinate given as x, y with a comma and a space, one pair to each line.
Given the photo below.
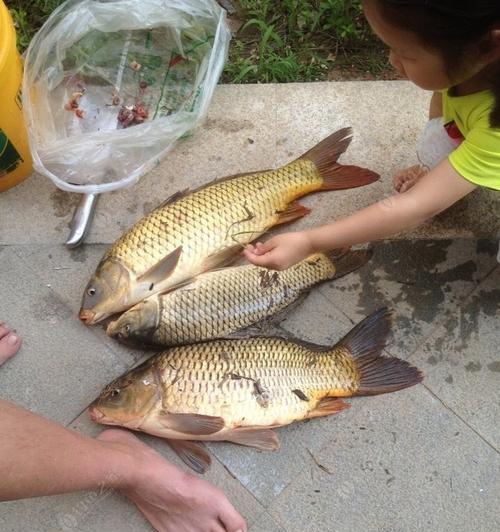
253, 127
61, 366
396, 463
423, 281
67, 273
461, 360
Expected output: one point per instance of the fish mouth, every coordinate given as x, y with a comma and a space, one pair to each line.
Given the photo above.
95, 414
98, 417
111, 329
87, 316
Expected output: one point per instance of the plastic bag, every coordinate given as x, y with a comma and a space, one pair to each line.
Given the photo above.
434, 144
110, 85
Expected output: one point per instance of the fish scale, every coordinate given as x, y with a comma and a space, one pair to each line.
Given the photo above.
219, 303
198, 231
279, 367
237, 390
209, 212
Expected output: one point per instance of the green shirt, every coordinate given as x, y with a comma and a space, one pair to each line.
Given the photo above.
477, 158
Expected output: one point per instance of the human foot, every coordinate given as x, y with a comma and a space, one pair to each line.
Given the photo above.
171, 500
407, 178
10, 343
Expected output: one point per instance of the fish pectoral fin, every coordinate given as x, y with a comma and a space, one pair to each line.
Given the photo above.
293, 212
328, 406
194, 424
222, 258
193, 454
163, 269
260, 438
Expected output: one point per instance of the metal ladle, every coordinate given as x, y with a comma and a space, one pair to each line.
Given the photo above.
82, 218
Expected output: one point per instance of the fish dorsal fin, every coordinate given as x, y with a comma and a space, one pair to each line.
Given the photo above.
161, 270
193, 454
176, 196
258, 437
195, 424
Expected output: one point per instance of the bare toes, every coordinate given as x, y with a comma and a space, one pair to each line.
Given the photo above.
10, 343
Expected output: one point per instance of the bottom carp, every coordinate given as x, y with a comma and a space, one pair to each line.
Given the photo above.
238, 390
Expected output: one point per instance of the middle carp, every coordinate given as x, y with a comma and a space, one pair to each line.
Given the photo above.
208, 228
238, 390
223, 303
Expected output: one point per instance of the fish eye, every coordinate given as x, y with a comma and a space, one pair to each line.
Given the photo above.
115, 392
91, 291
127, 328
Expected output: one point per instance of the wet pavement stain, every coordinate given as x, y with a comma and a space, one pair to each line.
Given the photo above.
51, 308
488, 247
63, 202
228, 125
494, 366
132, 209
79, 254
473, 367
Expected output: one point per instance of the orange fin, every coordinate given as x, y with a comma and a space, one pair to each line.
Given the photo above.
378, 374
193, 454
195, 424
328, 406
349, 261
336, 176
162, 270
293, 211
260, 438
222, 258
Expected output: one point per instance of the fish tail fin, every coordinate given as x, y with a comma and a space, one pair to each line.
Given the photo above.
378, 374
337, 176
346, 261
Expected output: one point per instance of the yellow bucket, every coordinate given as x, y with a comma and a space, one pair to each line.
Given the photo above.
15, 159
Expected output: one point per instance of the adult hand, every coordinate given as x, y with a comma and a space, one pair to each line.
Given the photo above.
281, 251
171, 500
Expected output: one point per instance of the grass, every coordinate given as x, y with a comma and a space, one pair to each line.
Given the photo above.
304, 40
285, 41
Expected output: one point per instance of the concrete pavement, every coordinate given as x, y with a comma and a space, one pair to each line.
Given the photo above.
423, 458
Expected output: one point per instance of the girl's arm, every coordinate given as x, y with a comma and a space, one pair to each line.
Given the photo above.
433, 193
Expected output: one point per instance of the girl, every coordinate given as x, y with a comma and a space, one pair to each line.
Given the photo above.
451, 47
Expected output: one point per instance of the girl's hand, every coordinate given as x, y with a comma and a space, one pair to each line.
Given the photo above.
280, 252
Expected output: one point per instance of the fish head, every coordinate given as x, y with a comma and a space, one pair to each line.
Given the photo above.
128, 399
107, 292
138, 324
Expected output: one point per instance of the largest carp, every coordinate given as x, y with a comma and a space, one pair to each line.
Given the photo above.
208, 228
238, 390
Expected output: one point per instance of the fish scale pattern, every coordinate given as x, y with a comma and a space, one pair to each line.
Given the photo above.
222, 302
251, 382
223, 214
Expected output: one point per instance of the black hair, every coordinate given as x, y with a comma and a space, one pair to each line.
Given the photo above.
453, 27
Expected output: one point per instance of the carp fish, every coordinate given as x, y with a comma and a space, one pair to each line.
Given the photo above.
198, 231
226, 302
239, 390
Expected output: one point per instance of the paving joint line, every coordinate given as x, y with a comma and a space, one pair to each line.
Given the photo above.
491, 445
